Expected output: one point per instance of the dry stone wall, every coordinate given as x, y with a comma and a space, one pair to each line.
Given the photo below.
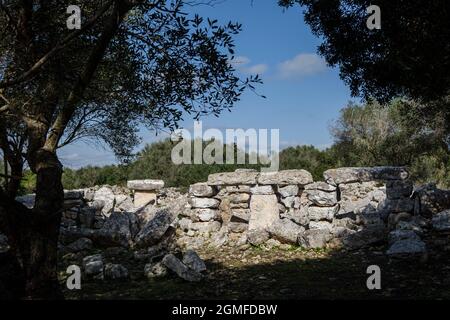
352, 207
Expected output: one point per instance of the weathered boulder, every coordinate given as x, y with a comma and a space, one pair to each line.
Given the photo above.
322, 213
262, 190
397, 205
120, 228
237, 226
206, 215
240, 215
73, 194
174, 264
322, 186
407, 247
291, 202
398, 235
431, 200
201, 190
286, 177
154, 229
314, 238
299, 216
93, 266
367, 236
264, 211
441, 221
285, 231
397, 189
204, 203
115, 271
81, 244
193, 261
239, 177
239, 197
257, 237
155, 270
106, 196
205, 227
321, 225
362, 174
322, 198
27, 200
145, 185
288, 191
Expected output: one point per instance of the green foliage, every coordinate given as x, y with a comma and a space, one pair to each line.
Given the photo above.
92, 176
364, 135
155, 162
28, 183
308, 158
373, 135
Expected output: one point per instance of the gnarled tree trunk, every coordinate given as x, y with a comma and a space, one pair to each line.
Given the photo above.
41, 263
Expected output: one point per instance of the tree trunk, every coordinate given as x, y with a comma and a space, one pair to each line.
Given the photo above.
13, 184
40, 258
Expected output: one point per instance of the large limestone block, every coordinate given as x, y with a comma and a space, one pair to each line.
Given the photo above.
201, 190
239, 177
322, 213
204, 203
323, 186
262, 190
286, 177
143, 198
264, 211
362, 174
285, 231
361, 190
145, 185
288, 191
322, 198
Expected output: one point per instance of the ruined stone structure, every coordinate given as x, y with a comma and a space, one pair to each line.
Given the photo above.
351, 208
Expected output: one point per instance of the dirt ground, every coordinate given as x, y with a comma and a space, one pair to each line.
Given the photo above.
288, 273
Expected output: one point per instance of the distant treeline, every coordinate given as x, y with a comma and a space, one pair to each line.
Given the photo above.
364, 135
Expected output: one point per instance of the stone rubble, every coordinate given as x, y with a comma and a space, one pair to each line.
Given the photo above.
352, 208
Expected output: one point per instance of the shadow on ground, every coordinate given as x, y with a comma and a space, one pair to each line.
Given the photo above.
287, 274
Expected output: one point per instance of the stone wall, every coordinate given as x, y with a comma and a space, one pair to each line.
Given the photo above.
352, 207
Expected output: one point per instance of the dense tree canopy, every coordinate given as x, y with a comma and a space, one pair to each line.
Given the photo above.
409, 55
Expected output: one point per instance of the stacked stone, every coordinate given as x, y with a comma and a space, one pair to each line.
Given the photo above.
372, 201
283, 224
235, 189
321, 209
205, 217
145, 191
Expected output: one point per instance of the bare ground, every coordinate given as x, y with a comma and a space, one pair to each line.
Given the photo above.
288, 273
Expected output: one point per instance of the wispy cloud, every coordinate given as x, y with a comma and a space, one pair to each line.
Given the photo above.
243, 64
304, 64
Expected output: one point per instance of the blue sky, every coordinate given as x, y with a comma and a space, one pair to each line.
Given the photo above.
303, 94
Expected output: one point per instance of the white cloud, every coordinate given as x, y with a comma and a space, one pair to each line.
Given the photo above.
240, 61
256, 69
304, 64
242, 64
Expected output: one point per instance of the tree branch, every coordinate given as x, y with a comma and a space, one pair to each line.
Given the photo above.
77, 92
58, 47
